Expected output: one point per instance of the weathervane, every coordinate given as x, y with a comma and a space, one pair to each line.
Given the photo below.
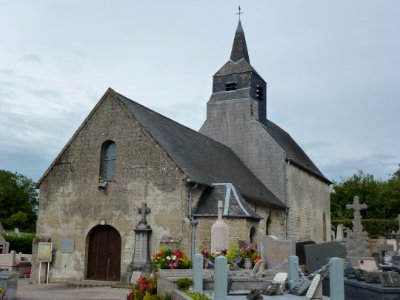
239, 13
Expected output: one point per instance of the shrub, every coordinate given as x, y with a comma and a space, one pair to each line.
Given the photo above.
184, 284
20, 242
197, 296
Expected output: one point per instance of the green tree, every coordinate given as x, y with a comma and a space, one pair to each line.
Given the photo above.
18, 201
389, 196
342, 193
381, 196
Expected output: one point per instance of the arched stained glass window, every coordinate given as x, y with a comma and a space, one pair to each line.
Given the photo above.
108, 157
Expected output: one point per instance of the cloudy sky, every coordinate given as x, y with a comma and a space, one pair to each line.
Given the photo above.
332, 68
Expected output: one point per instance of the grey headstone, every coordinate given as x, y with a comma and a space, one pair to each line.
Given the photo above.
300, 251
276, 251
319, 254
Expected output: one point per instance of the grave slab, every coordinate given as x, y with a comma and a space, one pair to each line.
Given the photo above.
319, 254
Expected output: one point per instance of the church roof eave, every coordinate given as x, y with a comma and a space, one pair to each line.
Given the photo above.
293, 151
231, 67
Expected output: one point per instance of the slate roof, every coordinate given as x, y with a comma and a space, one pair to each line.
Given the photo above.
239, 48
234, 204
293, 151
204, 160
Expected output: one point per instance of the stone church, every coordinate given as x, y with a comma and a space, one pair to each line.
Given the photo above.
124, 155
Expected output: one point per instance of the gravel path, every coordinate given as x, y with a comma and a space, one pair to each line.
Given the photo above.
60, 291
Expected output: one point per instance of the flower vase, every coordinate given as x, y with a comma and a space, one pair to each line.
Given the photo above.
205, 264
248, 264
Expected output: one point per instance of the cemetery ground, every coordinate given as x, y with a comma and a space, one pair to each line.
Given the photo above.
61, 291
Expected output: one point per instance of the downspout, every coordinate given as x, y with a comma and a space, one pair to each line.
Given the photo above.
287, 171
193, 221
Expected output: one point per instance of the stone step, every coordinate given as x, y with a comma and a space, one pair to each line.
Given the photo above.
94, 283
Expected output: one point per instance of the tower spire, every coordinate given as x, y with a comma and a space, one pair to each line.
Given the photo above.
239, 48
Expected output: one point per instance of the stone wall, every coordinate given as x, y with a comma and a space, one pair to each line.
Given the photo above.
309, 201
233, 124
71, 204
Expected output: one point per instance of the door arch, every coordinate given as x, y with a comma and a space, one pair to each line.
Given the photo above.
104, 254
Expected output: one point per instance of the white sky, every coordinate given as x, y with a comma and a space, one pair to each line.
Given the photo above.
332, 68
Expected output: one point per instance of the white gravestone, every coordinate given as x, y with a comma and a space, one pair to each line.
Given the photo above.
219, 232
339, 233
315, 289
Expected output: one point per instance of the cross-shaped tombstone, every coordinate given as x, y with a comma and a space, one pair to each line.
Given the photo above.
220, 209
357, 207
144, 210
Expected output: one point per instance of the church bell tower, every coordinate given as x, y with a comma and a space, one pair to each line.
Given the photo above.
238, 93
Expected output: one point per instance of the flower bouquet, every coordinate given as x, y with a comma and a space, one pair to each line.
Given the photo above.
169, 259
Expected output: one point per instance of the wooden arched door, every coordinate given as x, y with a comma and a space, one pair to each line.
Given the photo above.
104, 254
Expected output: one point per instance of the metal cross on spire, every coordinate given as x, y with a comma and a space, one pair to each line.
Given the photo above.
240, 12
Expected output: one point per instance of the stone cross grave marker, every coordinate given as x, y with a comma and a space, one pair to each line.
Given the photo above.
357, 207
141, 262
144, 210
357, 240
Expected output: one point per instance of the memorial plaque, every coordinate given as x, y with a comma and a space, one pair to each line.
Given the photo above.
67, 246
45, 252
315, 290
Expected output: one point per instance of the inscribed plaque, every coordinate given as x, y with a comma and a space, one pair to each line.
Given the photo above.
67, 246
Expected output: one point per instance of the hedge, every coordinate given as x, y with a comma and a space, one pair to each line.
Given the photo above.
21, 242
374, 227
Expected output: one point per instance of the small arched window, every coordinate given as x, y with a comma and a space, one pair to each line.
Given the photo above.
107, 163
268, 225
252, 234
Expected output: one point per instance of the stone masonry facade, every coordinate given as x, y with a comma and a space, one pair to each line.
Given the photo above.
71, 204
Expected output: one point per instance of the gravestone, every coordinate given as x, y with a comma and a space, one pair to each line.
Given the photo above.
318, 255
315, 289
339, 233
300, 251
219, 232
357, 241
275, 251
141, 254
